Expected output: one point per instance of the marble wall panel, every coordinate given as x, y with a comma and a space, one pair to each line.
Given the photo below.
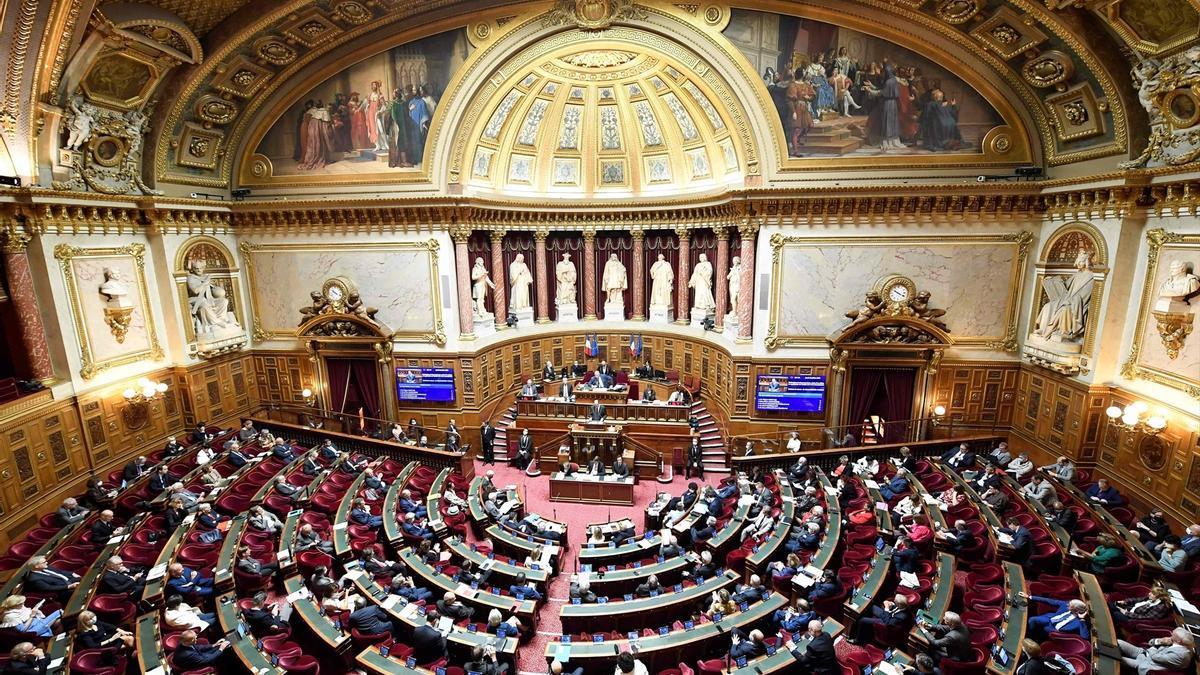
89, 274
974, 281
1152, 353
395, 278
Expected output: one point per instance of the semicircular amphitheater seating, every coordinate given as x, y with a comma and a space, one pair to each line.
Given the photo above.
339, 569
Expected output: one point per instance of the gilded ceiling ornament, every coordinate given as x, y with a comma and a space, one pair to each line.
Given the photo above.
1166, 90
352, 12
1048, 69
606, 58
276, 52
1076, 113
1005, 34
213, 110
592, 14
958, 11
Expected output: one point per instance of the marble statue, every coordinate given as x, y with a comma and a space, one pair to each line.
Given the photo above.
80, 117
207, 301
1177, 289
1068, 298
615, 281
735, 283
520, 279
114, 289
662, 283
701, 282
481, 282
566, 275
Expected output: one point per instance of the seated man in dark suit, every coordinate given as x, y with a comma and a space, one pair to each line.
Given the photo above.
369, 618
282, 450
818, 657
578, 369
751, 592
828, 586
452, 607
746, 646
1104, 494
549, 372
525, 589
264, 619
192, 656
959, 458
26, 659
46, 579
893, 613
105, 528
134, 469
1022, 541
619, 469
645, 370
597, 412
412, 528
120, 580
897, 486
704, 533
360, 514
237, 456
71, 512
428, 643
648, 395
951, 639
580, 589
161, 480
182, 581
959, 539
409, 505
649, 588
173, 448
200, 434
247, 563
596, 466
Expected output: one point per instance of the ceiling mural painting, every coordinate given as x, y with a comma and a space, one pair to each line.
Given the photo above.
372, 117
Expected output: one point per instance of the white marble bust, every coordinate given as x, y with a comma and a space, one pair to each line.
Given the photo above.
114, 289
1179, 284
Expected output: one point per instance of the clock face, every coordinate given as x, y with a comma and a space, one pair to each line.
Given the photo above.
898, 293
333, 293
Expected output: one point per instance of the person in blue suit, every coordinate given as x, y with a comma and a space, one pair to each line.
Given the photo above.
1104, 494
359, 513
524, 588
409, 505
414, 529
897, 486
795, 617
192, 656
184, 580
1068, 616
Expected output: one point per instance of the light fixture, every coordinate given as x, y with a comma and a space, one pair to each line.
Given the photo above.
310, 399
1132, 418
145, 391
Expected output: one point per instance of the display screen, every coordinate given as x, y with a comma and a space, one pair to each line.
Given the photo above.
425, 384
790, 393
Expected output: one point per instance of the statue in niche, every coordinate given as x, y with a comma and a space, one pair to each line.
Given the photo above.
735, 283
701, 282
1068, 299
566, 275
520, 279
207, 301
614, 281
662, 281
114, 289
1178, 289
481, 282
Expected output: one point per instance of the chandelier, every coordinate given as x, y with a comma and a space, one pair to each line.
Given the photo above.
146, 391
1133, 418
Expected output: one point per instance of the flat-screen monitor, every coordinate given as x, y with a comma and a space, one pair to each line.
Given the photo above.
425, 384
790, 393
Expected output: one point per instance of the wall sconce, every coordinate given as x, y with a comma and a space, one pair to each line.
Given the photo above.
939, 412
145, 392
310, 398
1131, 418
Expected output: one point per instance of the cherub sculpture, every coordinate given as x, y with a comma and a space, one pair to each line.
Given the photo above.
872, 307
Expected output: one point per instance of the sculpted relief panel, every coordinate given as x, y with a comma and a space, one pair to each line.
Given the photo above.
399, 279
820, 278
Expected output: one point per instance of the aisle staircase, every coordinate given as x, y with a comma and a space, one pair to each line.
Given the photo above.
710, 437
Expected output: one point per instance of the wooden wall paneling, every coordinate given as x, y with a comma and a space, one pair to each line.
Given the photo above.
280, 377
978, 395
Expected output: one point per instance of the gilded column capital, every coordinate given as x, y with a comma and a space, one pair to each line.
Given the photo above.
589, 234
15, 242
498, 236
749, 227
637, 233
541, 233
461, 233
722, 232
684, 232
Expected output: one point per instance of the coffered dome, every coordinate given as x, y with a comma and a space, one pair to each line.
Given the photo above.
601, 119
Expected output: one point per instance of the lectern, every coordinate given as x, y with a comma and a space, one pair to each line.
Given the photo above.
603, 438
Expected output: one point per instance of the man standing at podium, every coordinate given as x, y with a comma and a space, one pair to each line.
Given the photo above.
565, 391
597, 413
529, 390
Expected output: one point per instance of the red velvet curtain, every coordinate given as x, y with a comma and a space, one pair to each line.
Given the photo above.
519, 243
898, 384
365, 377
622, 246
556, 245
865, 384
886, 392
480, 246
353, 384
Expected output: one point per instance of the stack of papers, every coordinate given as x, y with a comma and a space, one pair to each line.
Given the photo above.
909, 579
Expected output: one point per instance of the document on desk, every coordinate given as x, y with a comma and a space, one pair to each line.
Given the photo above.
465, 591
909, 579
871, 485
1004, 538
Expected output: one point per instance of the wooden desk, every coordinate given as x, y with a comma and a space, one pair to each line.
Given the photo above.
1147, 560
660, 652
637, 614
619, 582
1015, 620
341, 520
771, 548
391, 526
318, 624
939, 601
579, 488
243, 646
783, 661
604, 439
483, 601
223, 574
863, 596
506, 572
148, 643
656, 412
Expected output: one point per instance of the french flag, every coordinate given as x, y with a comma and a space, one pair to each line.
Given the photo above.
591, 345
635, 345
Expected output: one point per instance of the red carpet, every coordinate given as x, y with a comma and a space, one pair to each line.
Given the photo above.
535, 493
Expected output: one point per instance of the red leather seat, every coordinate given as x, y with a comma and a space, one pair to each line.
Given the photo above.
971, 667
985, 596
364, 640
299, 664
711, 667
1067, 645
177, 670
98, 662
115, 609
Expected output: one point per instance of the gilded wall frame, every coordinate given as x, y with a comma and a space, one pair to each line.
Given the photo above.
1004, 343
431, 246
89, 364
1099, 267
1135, 367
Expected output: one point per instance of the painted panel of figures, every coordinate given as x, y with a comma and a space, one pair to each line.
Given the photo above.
840, 92
370, 117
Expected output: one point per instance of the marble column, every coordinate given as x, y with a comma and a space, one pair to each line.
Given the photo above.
499, 278
722, 275
541, 274
639, 275
683, 305
589, 274
24, 299
745, 309
462, 260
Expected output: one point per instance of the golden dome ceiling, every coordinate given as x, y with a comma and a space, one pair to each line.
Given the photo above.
603, 121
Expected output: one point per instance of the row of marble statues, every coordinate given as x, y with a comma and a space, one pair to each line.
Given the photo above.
614, 281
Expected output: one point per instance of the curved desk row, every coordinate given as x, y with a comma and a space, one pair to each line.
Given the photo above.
625, 615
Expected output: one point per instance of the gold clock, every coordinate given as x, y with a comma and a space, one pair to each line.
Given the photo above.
896, 289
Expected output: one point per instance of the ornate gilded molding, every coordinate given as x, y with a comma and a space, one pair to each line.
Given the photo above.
1134, 367
18, 53
90, 366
